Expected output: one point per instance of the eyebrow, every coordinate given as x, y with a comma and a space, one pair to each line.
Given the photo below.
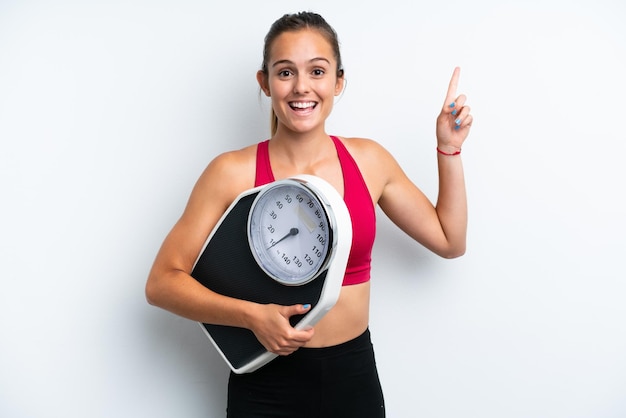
281, 62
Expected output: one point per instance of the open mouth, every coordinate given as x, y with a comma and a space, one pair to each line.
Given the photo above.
302, 106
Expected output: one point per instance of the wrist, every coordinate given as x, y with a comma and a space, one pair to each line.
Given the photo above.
249, 314
448, 150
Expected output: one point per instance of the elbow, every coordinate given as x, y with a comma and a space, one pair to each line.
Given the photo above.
152, 292
453, 255
453, 252
149, 293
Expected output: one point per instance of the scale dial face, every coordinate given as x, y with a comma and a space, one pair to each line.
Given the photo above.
290, 232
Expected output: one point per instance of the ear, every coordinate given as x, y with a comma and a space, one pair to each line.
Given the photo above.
261, 78
339, 84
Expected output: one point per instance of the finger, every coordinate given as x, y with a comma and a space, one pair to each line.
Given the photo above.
467, 122
463, 123
459, 102
283, 345
461, 120
297, 309
452, 88
303, 336
291, 342
284, 351
463, 114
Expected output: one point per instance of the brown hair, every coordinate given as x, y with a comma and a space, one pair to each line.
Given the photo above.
293, 23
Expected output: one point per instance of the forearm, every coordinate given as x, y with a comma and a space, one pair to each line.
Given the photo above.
452, 203
181, 294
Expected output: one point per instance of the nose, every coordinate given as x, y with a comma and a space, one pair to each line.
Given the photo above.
301, 85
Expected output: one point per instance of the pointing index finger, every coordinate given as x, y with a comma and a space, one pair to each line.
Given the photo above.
452, 87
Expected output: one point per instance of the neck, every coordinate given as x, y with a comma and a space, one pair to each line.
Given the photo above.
301, 151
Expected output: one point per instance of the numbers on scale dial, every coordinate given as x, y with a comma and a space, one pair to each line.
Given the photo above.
294, 230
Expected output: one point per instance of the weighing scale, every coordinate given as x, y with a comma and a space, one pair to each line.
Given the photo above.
286, 243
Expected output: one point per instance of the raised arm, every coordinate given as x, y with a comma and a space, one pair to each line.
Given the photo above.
441, 228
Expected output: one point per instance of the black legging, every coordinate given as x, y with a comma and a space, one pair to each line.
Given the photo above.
339, 381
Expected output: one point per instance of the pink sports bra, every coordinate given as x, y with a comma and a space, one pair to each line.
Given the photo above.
358, 201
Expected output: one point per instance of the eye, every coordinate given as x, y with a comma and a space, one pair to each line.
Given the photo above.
318, 72
284, 73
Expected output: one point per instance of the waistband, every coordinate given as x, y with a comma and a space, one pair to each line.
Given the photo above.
362, 341
309, 361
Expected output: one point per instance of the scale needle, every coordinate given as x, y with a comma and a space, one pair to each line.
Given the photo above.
292, 231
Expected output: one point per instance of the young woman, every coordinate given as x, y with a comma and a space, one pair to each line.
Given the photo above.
328, 370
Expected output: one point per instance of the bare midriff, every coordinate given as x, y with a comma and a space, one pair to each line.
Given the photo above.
348, 319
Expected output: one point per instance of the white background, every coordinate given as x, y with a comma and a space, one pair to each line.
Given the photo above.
110, 110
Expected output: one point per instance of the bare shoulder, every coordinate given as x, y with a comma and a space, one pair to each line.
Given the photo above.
360, 144
367, 150
224, 178
230, 173
230, 162
376, 164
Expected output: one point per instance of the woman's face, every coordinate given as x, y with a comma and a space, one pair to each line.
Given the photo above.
301, 80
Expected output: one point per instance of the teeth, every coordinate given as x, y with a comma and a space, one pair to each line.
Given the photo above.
302, 105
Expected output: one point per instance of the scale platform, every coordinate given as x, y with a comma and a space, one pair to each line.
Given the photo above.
227, 266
